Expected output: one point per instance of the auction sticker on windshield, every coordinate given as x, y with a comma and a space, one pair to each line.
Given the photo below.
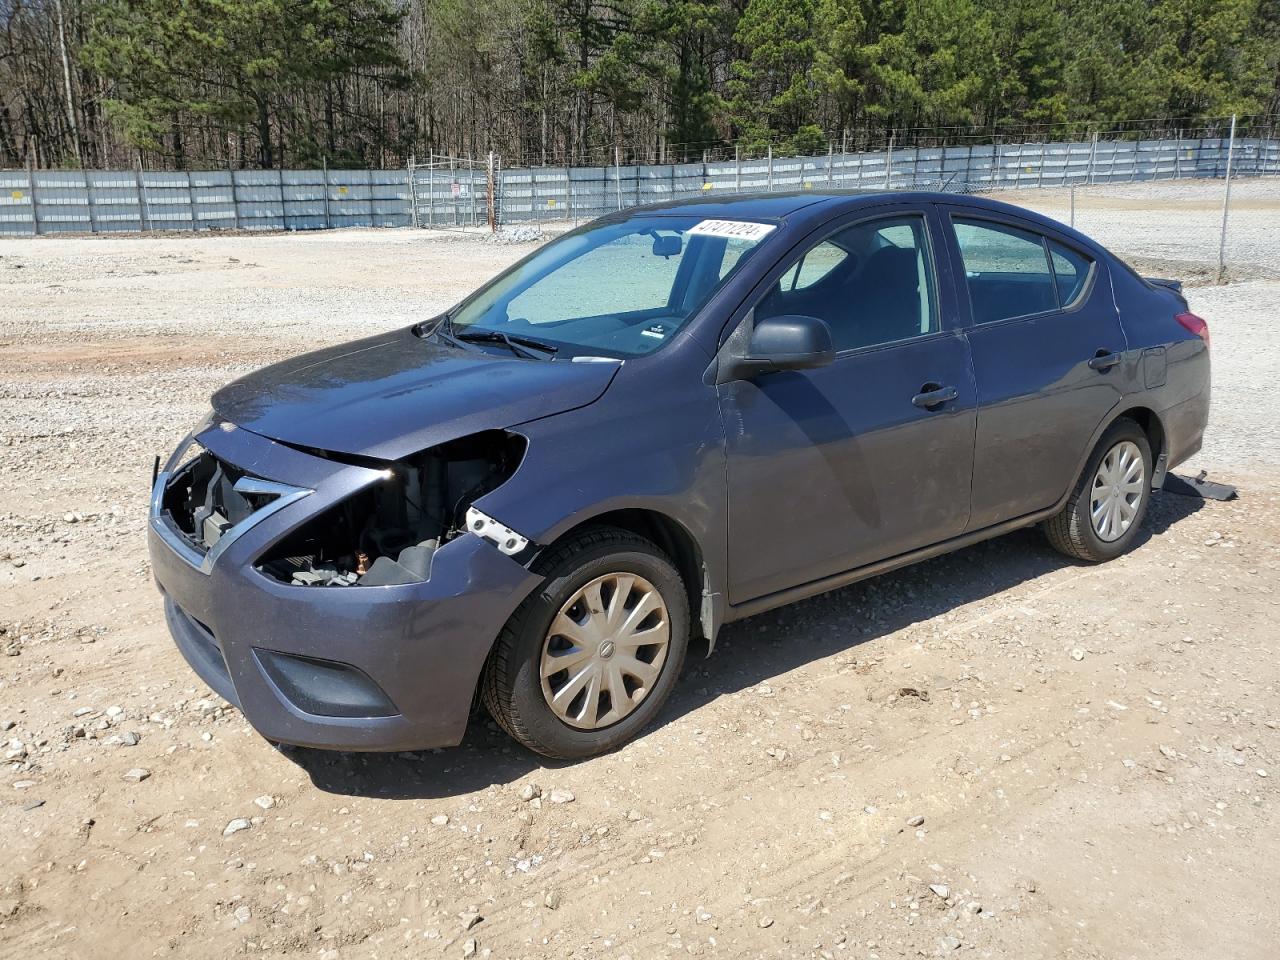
732, 229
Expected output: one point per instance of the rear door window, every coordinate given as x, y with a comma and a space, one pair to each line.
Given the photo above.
1007, 270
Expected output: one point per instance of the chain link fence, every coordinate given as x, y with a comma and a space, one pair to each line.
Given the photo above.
1175, 228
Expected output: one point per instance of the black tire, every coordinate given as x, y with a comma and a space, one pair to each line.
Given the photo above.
1071, 531
512, 687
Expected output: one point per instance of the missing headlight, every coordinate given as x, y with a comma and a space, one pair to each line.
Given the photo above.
387, 533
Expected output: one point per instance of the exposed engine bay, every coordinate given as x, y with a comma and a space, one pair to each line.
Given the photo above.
388, 533
384, 535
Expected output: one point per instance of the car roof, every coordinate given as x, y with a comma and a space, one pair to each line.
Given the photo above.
811, 203
775, 206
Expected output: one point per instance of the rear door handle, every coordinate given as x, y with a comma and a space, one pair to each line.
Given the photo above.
1104, 360
933, 395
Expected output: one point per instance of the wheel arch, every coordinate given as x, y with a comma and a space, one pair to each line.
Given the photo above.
1151, 425
1149, 421
678, 543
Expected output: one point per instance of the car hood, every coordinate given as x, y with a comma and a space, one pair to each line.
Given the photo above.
390, 396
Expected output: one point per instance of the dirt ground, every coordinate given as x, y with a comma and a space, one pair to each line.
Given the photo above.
994, 754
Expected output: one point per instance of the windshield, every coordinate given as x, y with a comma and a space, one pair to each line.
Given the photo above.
617, 289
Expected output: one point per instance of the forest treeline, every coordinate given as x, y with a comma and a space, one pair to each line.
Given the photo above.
201, 83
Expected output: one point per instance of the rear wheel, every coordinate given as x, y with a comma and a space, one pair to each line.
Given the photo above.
587, 661
1104, 513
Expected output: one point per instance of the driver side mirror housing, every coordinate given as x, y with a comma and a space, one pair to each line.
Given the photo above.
789, 342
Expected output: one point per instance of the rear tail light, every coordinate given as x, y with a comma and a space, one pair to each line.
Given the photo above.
1195, 325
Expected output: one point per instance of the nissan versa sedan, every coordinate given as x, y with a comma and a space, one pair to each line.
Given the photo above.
667, 420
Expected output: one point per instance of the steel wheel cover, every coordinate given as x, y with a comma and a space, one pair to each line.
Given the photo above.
604, 651
1117, 491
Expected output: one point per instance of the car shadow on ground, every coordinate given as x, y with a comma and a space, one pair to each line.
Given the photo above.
747, 653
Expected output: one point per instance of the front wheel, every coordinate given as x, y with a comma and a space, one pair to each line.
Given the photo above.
588, 660
1101, 519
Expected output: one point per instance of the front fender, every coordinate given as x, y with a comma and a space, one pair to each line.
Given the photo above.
630, 451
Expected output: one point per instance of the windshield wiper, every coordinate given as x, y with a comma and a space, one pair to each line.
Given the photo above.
520, 346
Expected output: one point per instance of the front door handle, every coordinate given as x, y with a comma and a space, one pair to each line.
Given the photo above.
933, 395
1104, 360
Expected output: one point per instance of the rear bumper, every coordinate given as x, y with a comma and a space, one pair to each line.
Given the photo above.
407, 657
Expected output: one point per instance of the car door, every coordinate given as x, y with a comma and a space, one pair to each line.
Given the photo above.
833, 468
1046, 341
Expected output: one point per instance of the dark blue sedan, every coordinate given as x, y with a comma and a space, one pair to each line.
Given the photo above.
672, 418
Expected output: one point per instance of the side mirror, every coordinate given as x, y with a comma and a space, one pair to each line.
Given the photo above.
784, 343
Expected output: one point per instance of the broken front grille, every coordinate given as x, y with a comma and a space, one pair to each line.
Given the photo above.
202, 500
206, 503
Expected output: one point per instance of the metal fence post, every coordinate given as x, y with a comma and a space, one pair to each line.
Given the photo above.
888, 163
493, 217
617, 173
144, 217
431, 190
88, 200
1093, 153
831, 155
191, 201
325, 174
471, 175
413, 196
737, 168
284, 208
771, 168
1226, 204
235, 200
31, 192
1073, 207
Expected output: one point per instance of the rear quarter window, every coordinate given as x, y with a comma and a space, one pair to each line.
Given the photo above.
1071, 271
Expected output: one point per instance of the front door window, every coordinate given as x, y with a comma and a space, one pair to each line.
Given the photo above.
871, 282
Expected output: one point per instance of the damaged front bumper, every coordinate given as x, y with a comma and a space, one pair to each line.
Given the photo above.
361, 668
